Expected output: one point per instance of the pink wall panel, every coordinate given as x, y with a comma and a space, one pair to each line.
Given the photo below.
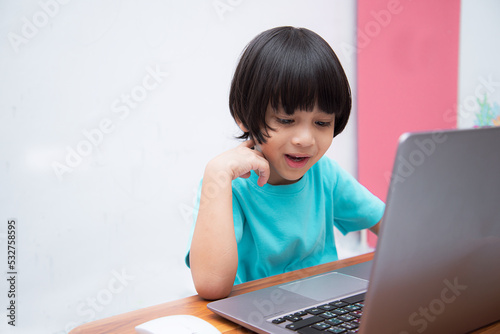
407, 78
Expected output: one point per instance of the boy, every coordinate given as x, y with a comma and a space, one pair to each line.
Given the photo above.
269, 205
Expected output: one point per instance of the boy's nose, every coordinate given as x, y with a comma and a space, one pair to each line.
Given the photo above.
303, 137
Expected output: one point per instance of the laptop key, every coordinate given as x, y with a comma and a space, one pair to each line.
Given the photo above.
352, 307
357, 314
292, 318
314, 311
327, 315
334, 322
340, 311
349, 325
327, 307
346, 317
300, 313
321, 326
355, 299
279, 320
336, 330
304, 323
339, 303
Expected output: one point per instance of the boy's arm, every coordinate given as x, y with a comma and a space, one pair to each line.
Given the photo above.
375, 228
214, 252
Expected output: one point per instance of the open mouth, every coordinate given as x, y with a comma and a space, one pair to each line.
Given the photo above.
294, 158
296, 161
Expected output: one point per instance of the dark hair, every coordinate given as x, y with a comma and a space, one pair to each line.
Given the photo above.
291, 67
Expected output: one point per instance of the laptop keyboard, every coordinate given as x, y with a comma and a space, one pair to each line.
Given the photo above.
340, 316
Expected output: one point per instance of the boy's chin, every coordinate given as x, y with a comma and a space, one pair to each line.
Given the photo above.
281, 180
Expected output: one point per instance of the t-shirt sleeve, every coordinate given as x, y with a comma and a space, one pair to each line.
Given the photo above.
238, 217
355, 207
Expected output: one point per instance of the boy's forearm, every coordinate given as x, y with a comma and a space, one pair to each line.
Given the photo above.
214, 254
376, 228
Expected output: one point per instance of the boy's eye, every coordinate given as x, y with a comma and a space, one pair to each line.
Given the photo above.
284, 121
323, 124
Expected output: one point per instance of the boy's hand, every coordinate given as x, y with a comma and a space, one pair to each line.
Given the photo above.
240, 161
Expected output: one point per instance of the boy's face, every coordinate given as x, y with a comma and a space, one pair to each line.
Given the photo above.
298, 142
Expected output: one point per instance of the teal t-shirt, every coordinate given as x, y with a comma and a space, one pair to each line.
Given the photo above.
288, 227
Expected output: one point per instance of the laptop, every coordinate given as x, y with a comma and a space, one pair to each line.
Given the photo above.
436, 268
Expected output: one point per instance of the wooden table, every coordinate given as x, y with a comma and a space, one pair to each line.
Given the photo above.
194, 305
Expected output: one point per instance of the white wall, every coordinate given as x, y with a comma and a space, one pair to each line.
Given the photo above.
479, 68
100, 158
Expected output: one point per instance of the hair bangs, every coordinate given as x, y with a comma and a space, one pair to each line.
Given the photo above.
295, 87
302, 78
